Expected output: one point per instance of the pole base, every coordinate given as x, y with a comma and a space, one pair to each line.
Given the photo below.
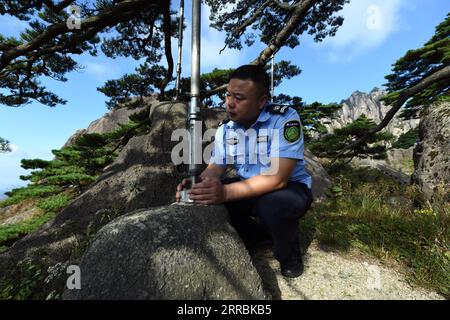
185, 196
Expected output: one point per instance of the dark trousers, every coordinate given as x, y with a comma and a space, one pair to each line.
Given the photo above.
278, 211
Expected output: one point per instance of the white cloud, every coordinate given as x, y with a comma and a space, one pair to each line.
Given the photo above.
367, 24
15, 152
212, 41
101, 71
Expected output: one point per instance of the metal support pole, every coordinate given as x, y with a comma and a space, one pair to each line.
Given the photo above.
194, 120
272, 90
180, 49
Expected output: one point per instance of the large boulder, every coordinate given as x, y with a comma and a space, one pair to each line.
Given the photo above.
321, 180
401, 159
111, 120
432, 153
173, 252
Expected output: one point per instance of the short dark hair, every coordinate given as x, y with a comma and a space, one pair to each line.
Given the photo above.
255, 73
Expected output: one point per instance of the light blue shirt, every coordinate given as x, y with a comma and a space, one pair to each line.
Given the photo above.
250, 150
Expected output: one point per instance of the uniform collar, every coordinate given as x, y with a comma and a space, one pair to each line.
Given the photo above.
264, 115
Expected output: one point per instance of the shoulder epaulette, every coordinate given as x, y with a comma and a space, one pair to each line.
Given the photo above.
223, 122
275, 108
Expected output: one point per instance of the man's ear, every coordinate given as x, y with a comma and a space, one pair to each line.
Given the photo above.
263, 101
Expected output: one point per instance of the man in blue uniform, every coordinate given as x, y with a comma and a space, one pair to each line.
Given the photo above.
264, 142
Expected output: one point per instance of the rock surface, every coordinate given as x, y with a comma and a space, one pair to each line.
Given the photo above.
140, 177
173, 252
18, 212
321, 180
400, 160
432, 153
109, 122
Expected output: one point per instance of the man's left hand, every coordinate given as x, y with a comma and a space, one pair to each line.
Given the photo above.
208, 191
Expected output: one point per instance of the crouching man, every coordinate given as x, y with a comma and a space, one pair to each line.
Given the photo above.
265, 144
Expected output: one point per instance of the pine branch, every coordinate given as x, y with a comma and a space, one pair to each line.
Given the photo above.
298, 14
109, 17
239, 30
167, 47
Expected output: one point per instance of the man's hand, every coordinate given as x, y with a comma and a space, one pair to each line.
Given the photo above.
180, 187
208, 191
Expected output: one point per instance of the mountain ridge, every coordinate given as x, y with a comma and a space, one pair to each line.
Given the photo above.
370, 105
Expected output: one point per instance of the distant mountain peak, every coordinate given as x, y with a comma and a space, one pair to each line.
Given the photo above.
370, 105
376, 89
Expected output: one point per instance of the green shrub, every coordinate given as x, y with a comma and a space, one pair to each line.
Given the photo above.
407, 139
54, 203
21, 289
30, 191
11, 232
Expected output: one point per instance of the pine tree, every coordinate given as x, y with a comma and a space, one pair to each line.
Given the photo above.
216, 78
374, 147
76, 166
419, 64
4, 145
129, 91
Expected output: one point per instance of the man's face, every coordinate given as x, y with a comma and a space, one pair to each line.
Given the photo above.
244, 101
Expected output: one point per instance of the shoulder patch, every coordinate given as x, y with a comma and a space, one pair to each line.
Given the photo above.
223, 122
292, 130
277, 108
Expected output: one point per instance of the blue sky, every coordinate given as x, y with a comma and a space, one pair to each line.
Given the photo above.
374, 35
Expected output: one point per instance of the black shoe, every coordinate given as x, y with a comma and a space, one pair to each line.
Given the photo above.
294, 269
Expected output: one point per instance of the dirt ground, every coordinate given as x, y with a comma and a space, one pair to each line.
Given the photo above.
330, 275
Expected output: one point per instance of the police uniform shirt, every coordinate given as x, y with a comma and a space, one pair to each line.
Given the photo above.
276, 133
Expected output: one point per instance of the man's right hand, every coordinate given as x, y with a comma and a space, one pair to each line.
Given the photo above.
180, 187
